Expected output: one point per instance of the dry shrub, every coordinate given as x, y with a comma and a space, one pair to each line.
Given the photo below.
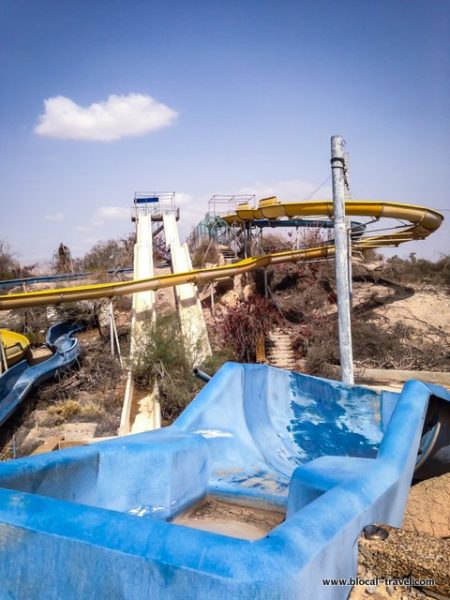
374, 346
321, 345
110, 254
243, 325
84, 313
61, 412
272, 243
93, 393
371, 255
161, 359
33, 322
10, 268
299, 290
92, 410
418, 270
62, 261
312, 237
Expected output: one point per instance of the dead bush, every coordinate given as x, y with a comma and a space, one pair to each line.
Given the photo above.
418, 270
10, 268
322, 348
85, 313
93, 393
60, 412
374, 346
242, 326
300, 290
311, 237
272, 243
33, 322
161, 359
62, 261
110, 254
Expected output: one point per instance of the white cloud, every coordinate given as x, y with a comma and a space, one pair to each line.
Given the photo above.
113, 212
103, 216
192, 211
182, 199
56, 217
117, 117
110, 213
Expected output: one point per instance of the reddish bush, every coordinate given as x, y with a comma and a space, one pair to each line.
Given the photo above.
244, 324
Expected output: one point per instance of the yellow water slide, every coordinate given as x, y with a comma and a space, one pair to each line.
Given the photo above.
418, 223
15, 346
421, 220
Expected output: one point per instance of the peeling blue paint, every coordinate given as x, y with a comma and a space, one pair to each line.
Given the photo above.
96, 521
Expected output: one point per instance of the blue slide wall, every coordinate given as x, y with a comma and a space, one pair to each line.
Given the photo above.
95, 521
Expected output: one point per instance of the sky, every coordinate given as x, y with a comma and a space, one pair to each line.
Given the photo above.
101, 99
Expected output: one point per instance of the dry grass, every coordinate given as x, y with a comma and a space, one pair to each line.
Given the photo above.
375, 345
418, 270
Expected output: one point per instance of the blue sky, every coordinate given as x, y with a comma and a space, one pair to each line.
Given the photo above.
246, 97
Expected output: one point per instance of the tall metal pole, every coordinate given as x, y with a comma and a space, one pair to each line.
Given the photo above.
341, 259
349, 228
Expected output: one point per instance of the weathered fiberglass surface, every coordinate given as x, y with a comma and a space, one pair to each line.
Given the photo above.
267, 421
332, 458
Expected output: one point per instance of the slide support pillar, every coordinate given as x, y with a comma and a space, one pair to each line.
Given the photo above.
341, 259
113, 334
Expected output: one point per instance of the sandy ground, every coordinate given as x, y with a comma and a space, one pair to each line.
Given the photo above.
428, 311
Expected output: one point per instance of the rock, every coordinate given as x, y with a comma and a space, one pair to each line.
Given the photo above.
390, 590
104, 315
428, 508
248, 291
409, 555
230, 299
79, 431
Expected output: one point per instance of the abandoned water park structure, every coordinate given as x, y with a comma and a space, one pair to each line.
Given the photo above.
313, 461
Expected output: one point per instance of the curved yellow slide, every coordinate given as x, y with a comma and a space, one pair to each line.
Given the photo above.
422, 222
15, 345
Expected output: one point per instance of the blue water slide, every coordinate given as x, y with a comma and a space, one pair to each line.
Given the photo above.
330, 458
17, 382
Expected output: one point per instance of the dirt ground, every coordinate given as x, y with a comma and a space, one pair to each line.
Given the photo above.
427, 310
234, 520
